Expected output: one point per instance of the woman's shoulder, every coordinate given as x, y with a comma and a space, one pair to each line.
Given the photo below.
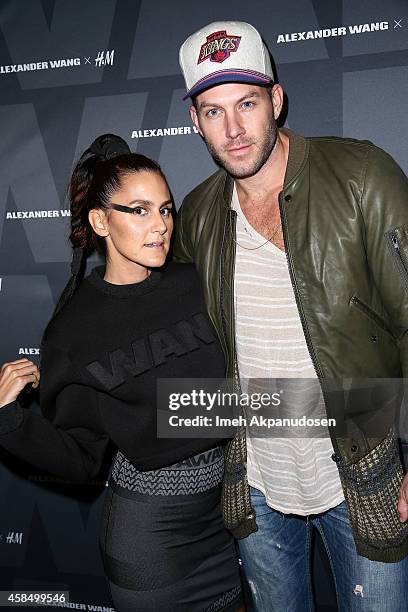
70, 321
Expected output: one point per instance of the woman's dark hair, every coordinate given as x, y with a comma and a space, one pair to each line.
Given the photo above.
96, 176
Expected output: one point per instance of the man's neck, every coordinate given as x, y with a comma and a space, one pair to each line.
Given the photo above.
270, 177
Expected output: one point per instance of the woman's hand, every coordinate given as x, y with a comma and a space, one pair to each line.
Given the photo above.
14, 376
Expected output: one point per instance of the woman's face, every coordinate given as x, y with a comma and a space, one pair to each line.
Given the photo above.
138, 240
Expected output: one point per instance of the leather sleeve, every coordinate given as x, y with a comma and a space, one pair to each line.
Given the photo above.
384, 204
182, 248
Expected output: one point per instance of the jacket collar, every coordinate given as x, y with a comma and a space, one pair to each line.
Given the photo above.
298, 152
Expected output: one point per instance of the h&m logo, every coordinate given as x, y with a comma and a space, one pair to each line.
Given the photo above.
162, 343
218, 47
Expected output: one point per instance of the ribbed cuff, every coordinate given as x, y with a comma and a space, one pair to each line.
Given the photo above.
244, 529
11, 417
392, 554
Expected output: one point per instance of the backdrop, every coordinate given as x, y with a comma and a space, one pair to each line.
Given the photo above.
72, 69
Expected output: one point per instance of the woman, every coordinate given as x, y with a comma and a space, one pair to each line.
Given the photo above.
111, 337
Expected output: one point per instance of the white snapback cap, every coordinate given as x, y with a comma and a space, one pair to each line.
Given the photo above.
224, 52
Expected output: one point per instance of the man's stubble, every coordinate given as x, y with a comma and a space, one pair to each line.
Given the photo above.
240, 170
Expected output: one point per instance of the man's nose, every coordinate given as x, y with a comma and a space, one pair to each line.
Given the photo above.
234, 127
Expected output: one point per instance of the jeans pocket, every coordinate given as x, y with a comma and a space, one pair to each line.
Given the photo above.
259, 502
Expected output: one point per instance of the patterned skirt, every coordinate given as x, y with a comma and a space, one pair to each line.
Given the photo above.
163, 542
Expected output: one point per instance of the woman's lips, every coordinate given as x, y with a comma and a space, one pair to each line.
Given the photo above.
155, 245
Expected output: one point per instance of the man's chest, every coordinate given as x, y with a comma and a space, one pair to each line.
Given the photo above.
264, 217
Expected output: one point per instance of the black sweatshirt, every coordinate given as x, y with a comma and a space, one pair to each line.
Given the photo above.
100, 359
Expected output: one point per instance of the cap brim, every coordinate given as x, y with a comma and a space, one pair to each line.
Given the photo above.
228, 76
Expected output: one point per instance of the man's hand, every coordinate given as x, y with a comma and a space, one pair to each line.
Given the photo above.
403, 500
14, 376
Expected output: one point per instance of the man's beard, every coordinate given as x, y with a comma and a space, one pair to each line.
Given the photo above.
242, 169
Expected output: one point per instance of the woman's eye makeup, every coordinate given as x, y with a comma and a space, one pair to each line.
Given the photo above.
139, 210
142, 211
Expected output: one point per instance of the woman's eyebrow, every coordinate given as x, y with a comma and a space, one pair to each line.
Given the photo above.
149, 202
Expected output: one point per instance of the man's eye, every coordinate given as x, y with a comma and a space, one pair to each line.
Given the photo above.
166, 212
247, 104
212, 112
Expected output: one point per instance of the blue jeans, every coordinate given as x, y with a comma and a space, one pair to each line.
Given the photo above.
277, 564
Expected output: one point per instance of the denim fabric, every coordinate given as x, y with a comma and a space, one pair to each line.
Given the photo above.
276, 562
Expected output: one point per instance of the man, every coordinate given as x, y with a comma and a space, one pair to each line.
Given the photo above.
302, 248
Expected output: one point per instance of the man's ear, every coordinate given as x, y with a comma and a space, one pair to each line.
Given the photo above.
277, 100
99, 222
194, 118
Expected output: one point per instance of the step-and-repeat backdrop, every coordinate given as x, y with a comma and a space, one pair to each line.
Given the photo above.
73, 69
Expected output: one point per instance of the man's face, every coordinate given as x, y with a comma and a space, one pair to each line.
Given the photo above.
237, 122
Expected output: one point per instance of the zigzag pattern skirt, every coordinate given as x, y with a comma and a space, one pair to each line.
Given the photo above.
163, 541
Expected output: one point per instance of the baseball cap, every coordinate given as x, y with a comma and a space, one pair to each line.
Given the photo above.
224, 52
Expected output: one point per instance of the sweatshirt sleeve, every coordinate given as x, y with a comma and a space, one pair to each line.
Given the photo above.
67, 439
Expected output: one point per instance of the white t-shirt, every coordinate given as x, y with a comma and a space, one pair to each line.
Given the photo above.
296, 475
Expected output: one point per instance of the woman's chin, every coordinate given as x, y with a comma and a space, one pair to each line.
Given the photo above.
155, 260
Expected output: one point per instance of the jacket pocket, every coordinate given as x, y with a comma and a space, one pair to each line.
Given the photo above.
398, 242
371, 315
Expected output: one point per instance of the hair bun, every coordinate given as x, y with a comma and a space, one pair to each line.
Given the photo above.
107, 146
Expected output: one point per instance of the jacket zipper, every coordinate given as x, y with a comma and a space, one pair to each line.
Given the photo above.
318, 370
371, 315
399, 257
224, 325
232, 314
312, 353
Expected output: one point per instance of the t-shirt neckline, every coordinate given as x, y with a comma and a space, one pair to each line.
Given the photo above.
128, 290
259, 241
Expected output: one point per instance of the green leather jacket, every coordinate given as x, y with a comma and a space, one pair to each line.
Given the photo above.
344, 211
